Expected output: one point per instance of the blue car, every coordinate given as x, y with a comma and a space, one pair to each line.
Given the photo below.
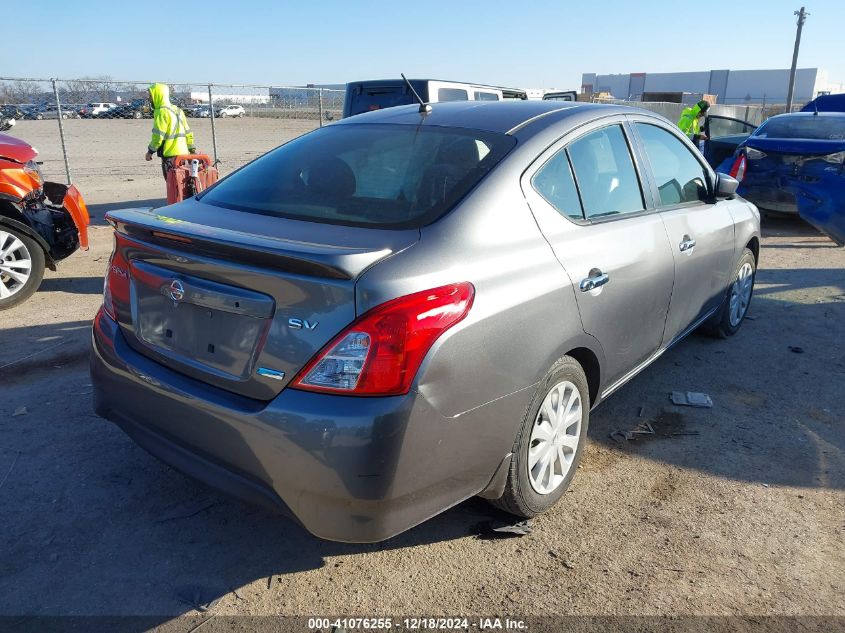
795, 163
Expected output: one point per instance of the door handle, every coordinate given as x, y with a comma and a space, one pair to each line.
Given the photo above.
596, 279
687, 245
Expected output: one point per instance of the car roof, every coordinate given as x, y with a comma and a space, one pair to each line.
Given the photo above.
505, 117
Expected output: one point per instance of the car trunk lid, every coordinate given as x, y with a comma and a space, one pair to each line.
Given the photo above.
239, 300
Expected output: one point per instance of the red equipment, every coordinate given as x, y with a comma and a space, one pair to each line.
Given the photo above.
188, 175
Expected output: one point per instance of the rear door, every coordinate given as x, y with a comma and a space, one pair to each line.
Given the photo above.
587, 198
701, 233
724, 135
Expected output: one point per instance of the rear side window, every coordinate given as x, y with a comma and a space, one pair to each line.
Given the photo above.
387, 176
554, 181
680, 177
452, 94
605, 173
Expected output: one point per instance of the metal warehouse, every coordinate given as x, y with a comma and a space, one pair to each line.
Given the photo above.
729, 86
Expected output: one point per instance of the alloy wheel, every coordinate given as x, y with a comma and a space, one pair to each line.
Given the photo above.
554, 438
741, 294
15, 264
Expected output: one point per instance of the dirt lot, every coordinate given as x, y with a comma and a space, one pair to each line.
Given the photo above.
107, 156
735, 510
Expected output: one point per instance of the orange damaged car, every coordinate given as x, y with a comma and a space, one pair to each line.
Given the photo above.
41, 223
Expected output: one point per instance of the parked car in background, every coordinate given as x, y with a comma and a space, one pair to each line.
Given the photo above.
48, 111
396, 312
11, 112
135, 109
566, 95
96, 109
375, 94
230, 111
41, 223
795, 163
826, 103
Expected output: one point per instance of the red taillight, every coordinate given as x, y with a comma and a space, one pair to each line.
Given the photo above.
380, 353
116, 284
738, 168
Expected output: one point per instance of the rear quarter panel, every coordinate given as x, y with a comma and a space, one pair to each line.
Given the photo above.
480, 376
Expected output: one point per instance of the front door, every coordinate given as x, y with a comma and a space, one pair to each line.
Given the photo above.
616, 254
701, 232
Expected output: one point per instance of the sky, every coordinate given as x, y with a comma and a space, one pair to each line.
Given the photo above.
524, 44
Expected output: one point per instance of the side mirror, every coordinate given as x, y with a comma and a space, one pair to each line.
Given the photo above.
725, 185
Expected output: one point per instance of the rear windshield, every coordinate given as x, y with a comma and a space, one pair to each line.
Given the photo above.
388, 176
821, 128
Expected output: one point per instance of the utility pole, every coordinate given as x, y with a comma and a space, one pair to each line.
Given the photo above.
802, 17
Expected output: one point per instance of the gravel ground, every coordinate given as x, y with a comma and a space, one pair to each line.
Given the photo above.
736, 510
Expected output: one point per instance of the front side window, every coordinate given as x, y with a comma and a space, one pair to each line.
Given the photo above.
554, 181
387, 176
486, 96
605, 173
680, 177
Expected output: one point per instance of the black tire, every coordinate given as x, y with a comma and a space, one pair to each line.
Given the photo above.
36, 255
721, 325
519, 497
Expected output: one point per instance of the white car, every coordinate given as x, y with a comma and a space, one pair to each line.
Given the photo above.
231, 110
97, 109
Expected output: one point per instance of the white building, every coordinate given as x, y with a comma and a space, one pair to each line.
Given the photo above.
730, 86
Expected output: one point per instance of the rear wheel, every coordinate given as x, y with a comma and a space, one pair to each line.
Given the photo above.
137, 115
21, 267
727, 321
550, 442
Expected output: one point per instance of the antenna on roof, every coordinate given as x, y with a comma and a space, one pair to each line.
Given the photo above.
425, 108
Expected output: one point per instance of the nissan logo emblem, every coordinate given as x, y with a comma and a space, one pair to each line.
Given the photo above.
177, 290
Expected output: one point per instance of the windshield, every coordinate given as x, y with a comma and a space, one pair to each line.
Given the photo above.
820, 128
389, 176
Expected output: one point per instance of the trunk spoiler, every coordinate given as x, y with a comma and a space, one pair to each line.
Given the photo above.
805, 147
271, 251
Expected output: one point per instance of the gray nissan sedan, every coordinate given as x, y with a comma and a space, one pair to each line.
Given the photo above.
391, 314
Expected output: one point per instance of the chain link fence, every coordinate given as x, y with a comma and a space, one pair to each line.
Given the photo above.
754, 114
95, 132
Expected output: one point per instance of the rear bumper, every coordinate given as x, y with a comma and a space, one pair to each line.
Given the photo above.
348, 469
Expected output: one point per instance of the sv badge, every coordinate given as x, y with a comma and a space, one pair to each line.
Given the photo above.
302, 324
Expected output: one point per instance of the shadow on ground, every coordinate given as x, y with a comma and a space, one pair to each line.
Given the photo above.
73, 285
98, 211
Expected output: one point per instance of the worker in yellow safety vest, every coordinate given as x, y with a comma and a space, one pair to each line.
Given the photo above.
171, 134
690, 121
